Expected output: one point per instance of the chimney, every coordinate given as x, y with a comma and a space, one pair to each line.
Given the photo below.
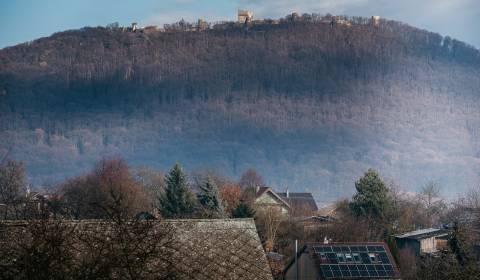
287, 193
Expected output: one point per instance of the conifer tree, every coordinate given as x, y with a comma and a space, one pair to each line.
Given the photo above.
458, 245
177, 201
372, 197
243, 210
209, 198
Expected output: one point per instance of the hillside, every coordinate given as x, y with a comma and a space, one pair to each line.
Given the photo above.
308, 104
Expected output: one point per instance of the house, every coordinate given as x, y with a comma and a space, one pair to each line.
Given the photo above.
197, 249
265, 197
244, 16
295, 204
301, 203
423, 241
202, 25
134, 26
343, 261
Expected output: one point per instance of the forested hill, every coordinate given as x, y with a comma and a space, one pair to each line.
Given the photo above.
309, 103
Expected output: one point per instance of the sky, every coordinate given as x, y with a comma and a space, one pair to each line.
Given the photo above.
25, 20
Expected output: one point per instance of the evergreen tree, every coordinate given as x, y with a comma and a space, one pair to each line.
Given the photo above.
372, 197
459, 245
177, 201
209, 198
243, 210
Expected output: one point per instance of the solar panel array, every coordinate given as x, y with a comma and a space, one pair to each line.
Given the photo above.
354, 261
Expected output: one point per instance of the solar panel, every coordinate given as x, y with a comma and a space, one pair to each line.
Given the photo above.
345, 249
317, 249
380, 249
355, 273
357, 261
362, 248
337, 273
388, 267
337, 249
372, 248
327, 273
365, 258
383, 257
332, 257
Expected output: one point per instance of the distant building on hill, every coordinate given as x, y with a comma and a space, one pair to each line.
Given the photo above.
244, 16
376, 20
202, 25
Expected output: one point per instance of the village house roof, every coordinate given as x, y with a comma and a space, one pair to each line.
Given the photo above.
303, 201
423, 233
367, 260
262, 190
204, 248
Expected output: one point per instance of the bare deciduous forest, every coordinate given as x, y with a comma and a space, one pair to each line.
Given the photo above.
308, 103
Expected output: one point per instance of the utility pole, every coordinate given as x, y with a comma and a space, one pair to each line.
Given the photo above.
296, 259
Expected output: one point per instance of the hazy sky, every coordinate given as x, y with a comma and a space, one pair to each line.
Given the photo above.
22, 20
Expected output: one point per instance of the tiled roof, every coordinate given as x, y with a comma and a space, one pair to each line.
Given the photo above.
303, 201
203, 248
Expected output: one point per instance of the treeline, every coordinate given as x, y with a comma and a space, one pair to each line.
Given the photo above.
125, 197
104, 69
112, 190
108, 223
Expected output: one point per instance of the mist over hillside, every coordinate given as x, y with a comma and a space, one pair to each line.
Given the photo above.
309, 104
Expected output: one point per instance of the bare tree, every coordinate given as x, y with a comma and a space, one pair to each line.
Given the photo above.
110, 189
251, 179
433, 203
12, 183
268, 220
